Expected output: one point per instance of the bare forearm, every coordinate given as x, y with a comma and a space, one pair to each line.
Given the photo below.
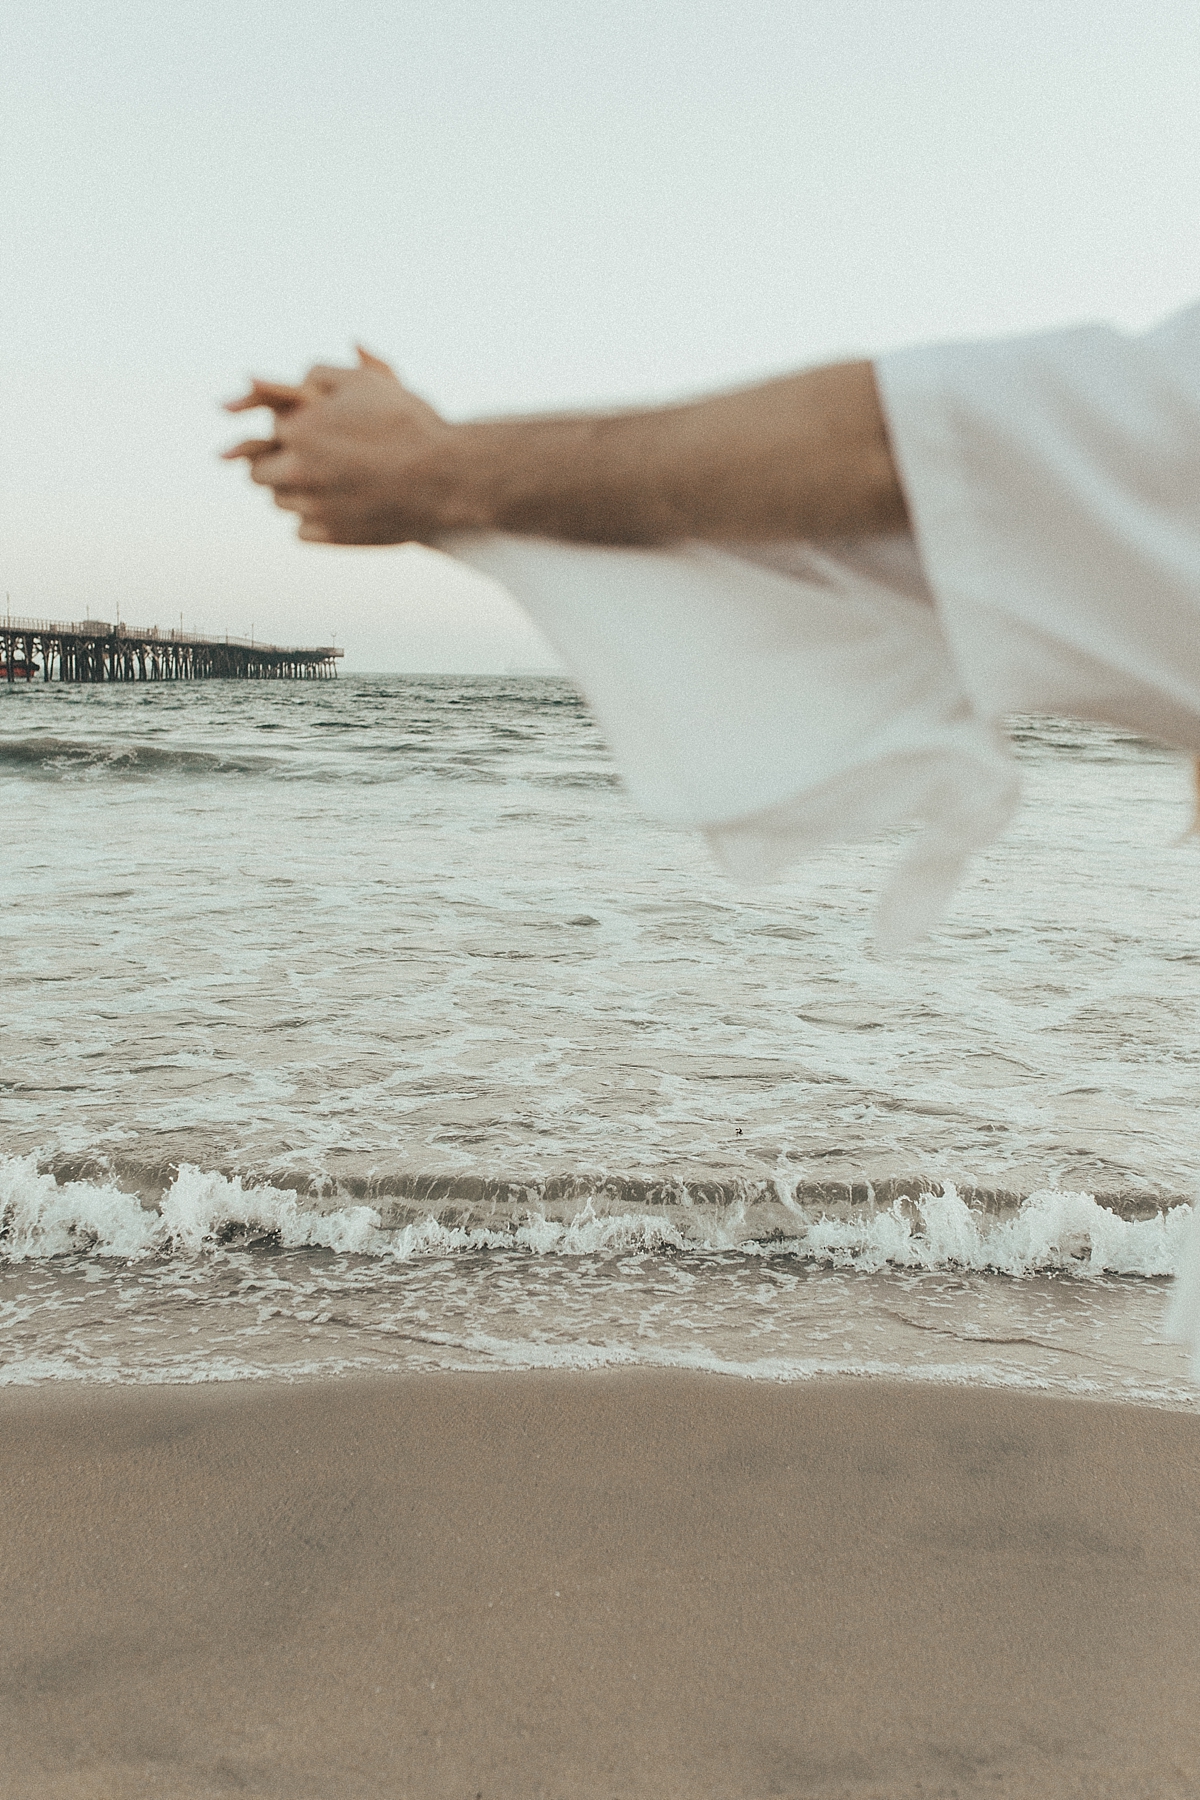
806, 456
365, 461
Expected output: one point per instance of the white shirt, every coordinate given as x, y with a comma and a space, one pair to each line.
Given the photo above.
778, 697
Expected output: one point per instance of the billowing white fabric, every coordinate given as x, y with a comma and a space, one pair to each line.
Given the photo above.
780, 697
773, 698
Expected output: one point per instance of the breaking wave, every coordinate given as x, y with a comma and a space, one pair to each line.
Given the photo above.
55, 758
202, 1211
77, 759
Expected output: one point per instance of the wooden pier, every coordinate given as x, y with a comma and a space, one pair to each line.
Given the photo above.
39, 649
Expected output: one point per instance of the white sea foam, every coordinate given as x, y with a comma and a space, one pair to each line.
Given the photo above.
41, 1218
1053, 1229
202, 1209
200, 1206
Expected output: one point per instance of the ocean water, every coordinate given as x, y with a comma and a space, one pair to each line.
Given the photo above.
366, 1025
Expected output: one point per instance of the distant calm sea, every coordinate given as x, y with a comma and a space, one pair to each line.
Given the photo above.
365, 1025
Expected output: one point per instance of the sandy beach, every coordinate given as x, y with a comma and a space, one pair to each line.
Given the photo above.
596, 1587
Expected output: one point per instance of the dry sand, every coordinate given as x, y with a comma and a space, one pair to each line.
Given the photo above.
585, 1587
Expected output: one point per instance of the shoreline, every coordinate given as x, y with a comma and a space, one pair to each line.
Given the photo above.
63, 1389
305, 1315
634, 1585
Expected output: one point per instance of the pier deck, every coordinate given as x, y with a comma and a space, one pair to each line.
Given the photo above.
40, 649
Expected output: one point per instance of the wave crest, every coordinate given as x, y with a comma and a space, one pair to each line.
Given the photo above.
58, 759
204, 1210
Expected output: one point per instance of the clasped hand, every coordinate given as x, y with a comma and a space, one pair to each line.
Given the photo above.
354, 453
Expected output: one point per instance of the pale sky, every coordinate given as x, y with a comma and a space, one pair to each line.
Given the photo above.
522, 205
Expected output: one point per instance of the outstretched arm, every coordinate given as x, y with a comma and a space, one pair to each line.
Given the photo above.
364, 461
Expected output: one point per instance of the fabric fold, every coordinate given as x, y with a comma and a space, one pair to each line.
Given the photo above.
776, 698
1053, 484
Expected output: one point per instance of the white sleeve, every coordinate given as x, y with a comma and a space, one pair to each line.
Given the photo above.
779, 698
1054, 489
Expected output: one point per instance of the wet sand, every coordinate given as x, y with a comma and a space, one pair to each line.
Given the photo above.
636, 1586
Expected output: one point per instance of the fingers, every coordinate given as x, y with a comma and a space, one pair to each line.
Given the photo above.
311, 464
272, 466
322, 379
327, 378
280, 396
368, 361
249, 448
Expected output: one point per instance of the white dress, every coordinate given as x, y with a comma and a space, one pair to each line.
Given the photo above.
778, 697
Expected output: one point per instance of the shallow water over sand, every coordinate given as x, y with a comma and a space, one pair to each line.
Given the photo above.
401, 949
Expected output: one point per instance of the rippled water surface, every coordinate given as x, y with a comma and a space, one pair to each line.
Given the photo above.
397, 954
